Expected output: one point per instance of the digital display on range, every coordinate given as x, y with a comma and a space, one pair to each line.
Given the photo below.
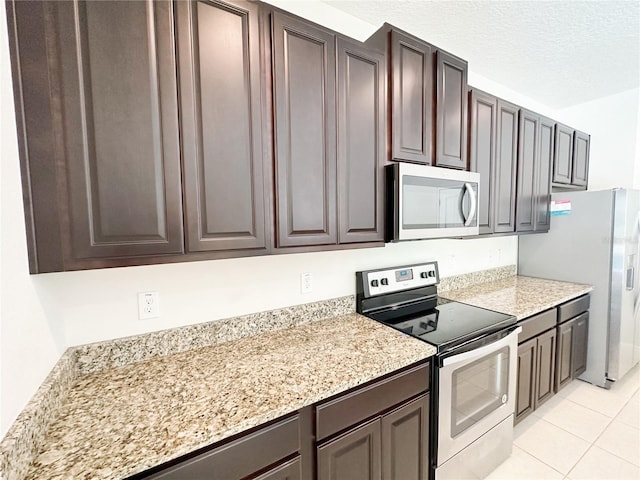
403, 275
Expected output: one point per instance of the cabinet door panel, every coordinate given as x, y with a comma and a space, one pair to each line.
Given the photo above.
361, 115
506, 161
580, 171
543, 180
482, 152
563, 154
120, 131
564, 354
305, 126
546, 367
405, 442
527, 165
451, 111
411, 99
579, 345
525, 392
221, 125
353, 456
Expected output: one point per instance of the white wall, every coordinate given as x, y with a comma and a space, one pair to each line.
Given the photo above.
41, 315
613, 123
31, 341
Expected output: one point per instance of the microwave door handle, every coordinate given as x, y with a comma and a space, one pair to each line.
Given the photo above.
474, 204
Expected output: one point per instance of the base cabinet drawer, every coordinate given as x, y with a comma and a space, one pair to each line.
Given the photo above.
291, 470
242, 457
573, 308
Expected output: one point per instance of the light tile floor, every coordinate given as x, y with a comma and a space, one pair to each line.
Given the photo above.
583, 432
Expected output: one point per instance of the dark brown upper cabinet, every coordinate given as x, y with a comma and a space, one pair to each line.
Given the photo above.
580, 170
504, 187
361, 142
571, 159
428, 101
543, 175
101, 155
528, 149
329, 163
535, 153
483, 113
411, 99
563, 154
221, 127
410, 94
304, 86
514, 196
451, 111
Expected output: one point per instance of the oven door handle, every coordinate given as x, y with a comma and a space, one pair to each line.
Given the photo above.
478, 352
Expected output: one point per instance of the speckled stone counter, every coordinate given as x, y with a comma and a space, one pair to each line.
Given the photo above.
121, 421
517, 295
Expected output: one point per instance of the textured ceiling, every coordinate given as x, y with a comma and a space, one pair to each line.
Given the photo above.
560, 53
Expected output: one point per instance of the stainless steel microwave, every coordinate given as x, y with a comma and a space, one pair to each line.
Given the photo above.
430, 202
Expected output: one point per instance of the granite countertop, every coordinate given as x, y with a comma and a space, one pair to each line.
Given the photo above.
517, 295
121, 421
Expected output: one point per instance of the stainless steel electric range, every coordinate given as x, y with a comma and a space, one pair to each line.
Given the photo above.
473, 373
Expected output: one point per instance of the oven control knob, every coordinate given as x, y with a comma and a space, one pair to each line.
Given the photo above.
374, 283
424, 275
431, 273
384, 281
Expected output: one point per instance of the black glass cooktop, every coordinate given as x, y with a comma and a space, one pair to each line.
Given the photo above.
443, 323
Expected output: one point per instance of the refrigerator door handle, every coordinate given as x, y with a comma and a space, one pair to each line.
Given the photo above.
631, 278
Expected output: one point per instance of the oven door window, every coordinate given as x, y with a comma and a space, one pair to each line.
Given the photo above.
478, 389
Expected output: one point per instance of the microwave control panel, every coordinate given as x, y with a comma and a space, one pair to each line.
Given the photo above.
377, 282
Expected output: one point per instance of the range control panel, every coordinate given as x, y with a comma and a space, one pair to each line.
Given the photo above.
377, 282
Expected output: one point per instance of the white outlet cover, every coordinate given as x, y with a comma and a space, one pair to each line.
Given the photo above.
148, 305
306, 283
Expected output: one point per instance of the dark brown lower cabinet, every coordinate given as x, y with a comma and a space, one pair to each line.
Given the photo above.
536, 370
545, 365
405, 444
563, 376
572, 349
393, 446
352, 456
525, 399
579, 346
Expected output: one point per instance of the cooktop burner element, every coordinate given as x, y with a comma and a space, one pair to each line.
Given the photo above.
408, 301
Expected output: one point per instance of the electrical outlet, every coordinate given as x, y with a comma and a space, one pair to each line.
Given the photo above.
306, 283
148, 305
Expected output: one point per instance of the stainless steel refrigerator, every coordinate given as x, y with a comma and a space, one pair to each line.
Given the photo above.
594, 239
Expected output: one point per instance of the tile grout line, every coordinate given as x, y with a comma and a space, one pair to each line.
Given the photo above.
592, 443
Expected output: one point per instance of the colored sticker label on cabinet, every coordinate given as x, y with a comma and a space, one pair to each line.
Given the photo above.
560, 207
